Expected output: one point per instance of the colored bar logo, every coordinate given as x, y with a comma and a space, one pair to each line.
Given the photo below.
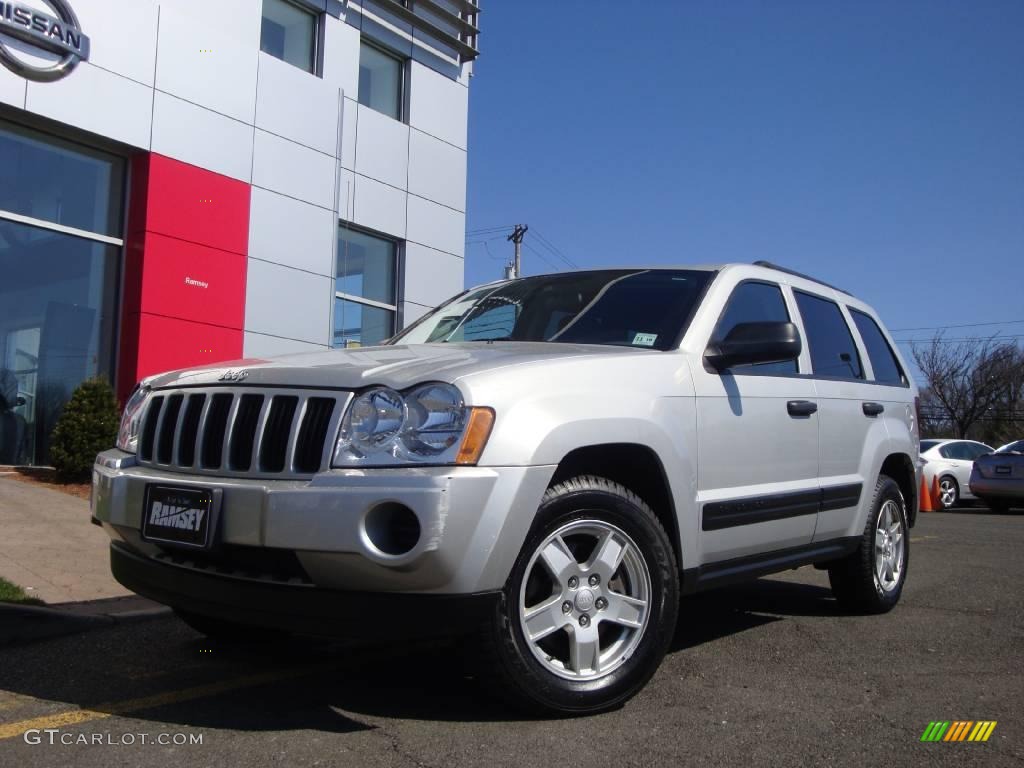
959, 730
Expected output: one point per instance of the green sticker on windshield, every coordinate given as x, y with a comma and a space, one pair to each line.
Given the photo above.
645, 339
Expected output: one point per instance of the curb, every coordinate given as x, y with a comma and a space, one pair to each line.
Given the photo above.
21, 624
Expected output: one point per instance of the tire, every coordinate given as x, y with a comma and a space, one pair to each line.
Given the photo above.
949, 492
228, 631
870, 580
601, 629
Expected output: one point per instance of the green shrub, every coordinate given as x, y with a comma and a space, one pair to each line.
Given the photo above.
87, 426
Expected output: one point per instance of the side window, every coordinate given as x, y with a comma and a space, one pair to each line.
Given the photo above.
947, 451
754, 303
883, 360
978, 451
833, 352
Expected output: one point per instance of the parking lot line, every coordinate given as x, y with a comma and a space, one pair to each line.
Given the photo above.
101, 711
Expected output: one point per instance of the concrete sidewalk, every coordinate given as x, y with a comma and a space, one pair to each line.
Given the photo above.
49, 548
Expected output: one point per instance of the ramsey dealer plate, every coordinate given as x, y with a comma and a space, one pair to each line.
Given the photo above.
182, 516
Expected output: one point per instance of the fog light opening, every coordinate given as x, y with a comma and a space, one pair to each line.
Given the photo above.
392, 528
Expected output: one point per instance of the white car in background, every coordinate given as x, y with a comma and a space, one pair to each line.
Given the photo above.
951, 461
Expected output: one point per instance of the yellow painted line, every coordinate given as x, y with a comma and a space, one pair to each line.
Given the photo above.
977, 729
101, 711
988, 731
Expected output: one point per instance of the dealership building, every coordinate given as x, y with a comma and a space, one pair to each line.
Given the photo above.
188, 181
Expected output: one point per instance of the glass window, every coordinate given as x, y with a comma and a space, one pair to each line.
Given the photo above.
289, 33
366, 266
833, 353
365, 290
61, 182
58, 299
883, 360
380, 81
927, 445
977, 449
361, 325
1017, 447
755, 303
646, 309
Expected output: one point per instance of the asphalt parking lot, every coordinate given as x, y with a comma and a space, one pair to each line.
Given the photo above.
764, 674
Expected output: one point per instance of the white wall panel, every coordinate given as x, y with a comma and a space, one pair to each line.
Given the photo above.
261, 345
287, 302
201, 137
341, 56
438, 105
382, 148
122, 35
297, 105
292, 169
431, 276
99, 101
208, 53
436, 226
379, 207
291, 232
437, 170
411, 312
12, 88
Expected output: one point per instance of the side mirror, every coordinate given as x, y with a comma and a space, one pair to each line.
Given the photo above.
20, 401
749, 343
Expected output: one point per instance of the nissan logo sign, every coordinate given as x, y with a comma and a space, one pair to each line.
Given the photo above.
38, 45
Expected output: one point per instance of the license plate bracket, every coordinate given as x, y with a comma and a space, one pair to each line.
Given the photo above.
181, 516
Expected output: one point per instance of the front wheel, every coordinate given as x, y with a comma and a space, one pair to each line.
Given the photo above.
590, 607
870, 580
949, 492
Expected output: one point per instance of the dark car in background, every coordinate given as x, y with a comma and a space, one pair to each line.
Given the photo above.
998, 478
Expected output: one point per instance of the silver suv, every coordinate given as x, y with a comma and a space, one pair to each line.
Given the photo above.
548, 463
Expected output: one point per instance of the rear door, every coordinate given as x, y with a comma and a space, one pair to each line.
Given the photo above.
757, 484
846, 412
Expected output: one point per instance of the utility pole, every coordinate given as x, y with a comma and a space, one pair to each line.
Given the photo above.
517, 238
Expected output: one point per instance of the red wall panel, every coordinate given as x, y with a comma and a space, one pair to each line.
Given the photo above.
167, 343
197, 205
192, 282
186, 226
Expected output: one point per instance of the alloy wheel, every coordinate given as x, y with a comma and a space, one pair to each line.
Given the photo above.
584, 603
890, 547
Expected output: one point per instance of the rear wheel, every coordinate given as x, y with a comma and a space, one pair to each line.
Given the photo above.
590, 606
870, 580
949, 492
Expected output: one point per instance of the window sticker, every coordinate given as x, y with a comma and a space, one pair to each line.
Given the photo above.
645, 339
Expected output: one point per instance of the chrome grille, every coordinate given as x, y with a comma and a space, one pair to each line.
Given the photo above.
241, 431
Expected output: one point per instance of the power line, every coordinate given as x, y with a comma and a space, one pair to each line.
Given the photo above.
488, 230
541, 256
944, 327
555, 250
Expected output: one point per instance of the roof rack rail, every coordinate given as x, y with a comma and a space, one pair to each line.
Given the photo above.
777, 268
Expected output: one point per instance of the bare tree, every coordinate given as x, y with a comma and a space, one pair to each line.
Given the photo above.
968, 381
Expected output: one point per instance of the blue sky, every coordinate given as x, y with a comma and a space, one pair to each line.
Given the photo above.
876, 145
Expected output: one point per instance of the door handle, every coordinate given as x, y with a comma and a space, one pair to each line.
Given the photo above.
801, 407
872, 409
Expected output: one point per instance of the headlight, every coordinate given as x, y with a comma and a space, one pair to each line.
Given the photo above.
429, 424
131, 420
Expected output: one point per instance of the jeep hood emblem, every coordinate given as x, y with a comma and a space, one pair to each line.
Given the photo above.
233, 375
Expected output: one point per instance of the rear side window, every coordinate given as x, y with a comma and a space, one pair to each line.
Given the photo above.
883, 360
833, 353
755, 303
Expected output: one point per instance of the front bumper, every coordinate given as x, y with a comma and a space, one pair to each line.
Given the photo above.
302, 610
473, 520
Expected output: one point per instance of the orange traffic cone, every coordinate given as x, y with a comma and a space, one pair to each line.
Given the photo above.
936, 495
926, 498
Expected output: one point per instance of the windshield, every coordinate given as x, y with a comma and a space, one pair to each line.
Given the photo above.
1017, 447
631, 308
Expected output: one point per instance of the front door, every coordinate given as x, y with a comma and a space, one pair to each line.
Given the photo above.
757, 486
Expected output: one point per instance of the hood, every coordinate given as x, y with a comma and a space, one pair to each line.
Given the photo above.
398, 366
